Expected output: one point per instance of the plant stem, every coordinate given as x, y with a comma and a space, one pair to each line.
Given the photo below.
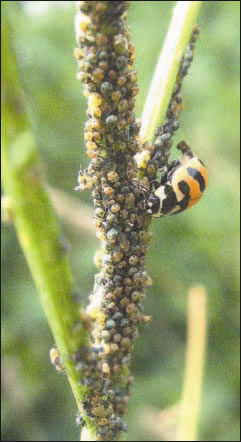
35, 220
184, 18
195, 356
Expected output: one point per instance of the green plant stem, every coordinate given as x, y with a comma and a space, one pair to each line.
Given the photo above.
35, 220
195, 356
184, 18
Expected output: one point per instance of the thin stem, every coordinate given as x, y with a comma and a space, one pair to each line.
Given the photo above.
35, 220
184, 18
195, 356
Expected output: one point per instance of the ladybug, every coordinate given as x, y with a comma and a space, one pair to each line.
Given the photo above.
181, 186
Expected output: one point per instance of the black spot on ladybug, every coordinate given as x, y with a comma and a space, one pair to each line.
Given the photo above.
183, 203
197, 176
170, 202
184, 187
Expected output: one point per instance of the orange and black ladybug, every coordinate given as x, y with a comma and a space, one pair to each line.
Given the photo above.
181, 186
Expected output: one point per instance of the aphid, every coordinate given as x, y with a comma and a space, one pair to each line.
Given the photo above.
181, 186
85, 181
79, 420
56, 360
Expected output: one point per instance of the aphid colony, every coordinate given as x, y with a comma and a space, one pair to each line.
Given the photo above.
123, 208
105, 56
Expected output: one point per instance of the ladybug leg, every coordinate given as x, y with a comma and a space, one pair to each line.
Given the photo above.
155, 184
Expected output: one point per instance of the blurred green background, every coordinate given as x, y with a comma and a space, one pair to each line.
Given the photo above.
200, 246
